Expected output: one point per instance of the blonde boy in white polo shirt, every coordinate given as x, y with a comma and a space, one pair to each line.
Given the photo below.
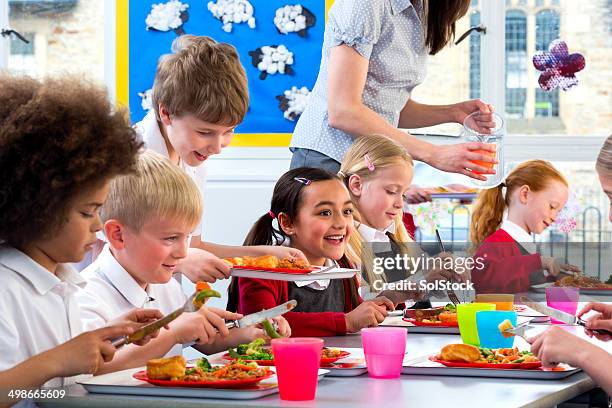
57, 156
148, 219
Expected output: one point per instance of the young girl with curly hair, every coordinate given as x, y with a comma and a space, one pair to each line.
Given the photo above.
60, 144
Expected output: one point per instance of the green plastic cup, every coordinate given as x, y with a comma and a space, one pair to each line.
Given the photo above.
466, 316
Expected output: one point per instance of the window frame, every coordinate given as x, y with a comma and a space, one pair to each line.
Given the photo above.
554, 147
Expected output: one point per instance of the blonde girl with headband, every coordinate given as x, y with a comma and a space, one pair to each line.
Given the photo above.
531, 198
312, 211
377, 172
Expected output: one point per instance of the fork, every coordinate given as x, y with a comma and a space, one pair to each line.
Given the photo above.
520, 329
449, 292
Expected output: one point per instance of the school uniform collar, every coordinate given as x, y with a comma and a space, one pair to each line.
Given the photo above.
320, 284
370, 234
40, 278
121, 280
151, 133
519, 235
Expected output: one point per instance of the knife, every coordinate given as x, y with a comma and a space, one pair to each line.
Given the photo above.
255, 318
148, 329
561, 316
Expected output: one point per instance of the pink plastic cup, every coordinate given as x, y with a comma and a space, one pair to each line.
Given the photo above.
384, 349
297, 363
562, 298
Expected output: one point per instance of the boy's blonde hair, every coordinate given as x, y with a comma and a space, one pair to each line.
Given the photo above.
381, 152
203, 78
158, 189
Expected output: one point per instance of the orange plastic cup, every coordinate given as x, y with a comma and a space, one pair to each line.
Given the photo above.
501, 301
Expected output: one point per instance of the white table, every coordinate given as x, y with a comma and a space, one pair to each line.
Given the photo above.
362, 391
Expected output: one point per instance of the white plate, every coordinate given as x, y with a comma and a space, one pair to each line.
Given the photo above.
336, 273
123, 383
424, 366
456, 196
356, 356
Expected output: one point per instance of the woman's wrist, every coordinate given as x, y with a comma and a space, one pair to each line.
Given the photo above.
455, 113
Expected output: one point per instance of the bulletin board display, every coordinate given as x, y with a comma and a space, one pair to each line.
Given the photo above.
266, 122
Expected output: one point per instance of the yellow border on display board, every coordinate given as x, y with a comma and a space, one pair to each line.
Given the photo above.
122, 21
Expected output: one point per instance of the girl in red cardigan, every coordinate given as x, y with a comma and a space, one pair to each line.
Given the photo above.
314, 213
532, 196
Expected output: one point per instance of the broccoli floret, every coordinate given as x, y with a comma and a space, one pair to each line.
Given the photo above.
204, 364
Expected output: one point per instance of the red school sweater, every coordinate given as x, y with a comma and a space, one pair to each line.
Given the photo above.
258, 294
505, 269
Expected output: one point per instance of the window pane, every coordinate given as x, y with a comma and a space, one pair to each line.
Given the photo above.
547, 30
64, 35
586, 28
516, 64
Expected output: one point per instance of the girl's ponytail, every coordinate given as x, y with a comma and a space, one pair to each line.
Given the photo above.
488, 214
263, 232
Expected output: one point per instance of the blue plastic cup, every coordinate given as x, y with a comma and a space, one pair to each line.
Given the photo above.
487, 322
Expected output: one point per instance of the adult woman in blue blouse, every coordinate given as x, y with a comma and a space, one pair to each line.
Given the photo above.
374, 54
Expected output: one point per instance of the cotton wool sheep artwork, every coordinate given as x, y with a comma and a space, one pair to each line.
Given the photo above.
293, 102
558, 66
169, 16
146, 100
232, 12
294, 19
272, 59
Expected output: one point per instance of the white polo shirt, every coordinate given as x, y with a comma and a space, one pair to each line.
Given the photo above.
111, 291
38, 310
148, 129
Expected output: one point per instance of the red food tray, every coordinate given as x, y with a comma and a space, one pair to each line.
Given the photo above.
510, 366
247, 382
277, 270
427, 324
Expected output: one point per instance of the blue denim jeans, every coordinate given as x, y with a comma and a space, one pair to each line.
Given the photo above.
312, 158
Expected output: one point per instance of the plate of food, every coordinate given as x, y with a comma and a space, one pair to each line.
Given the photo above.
174, 372
588, 285
258, 352
464, 360
273, 268
443, 316
468, 356
270, 263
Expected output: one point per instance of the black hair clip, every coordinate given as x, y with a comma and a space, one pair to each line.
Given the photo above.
479, 29
303, 180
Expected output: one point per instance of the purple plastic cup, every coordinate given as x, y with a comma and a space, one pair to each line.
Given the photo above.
564, 298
